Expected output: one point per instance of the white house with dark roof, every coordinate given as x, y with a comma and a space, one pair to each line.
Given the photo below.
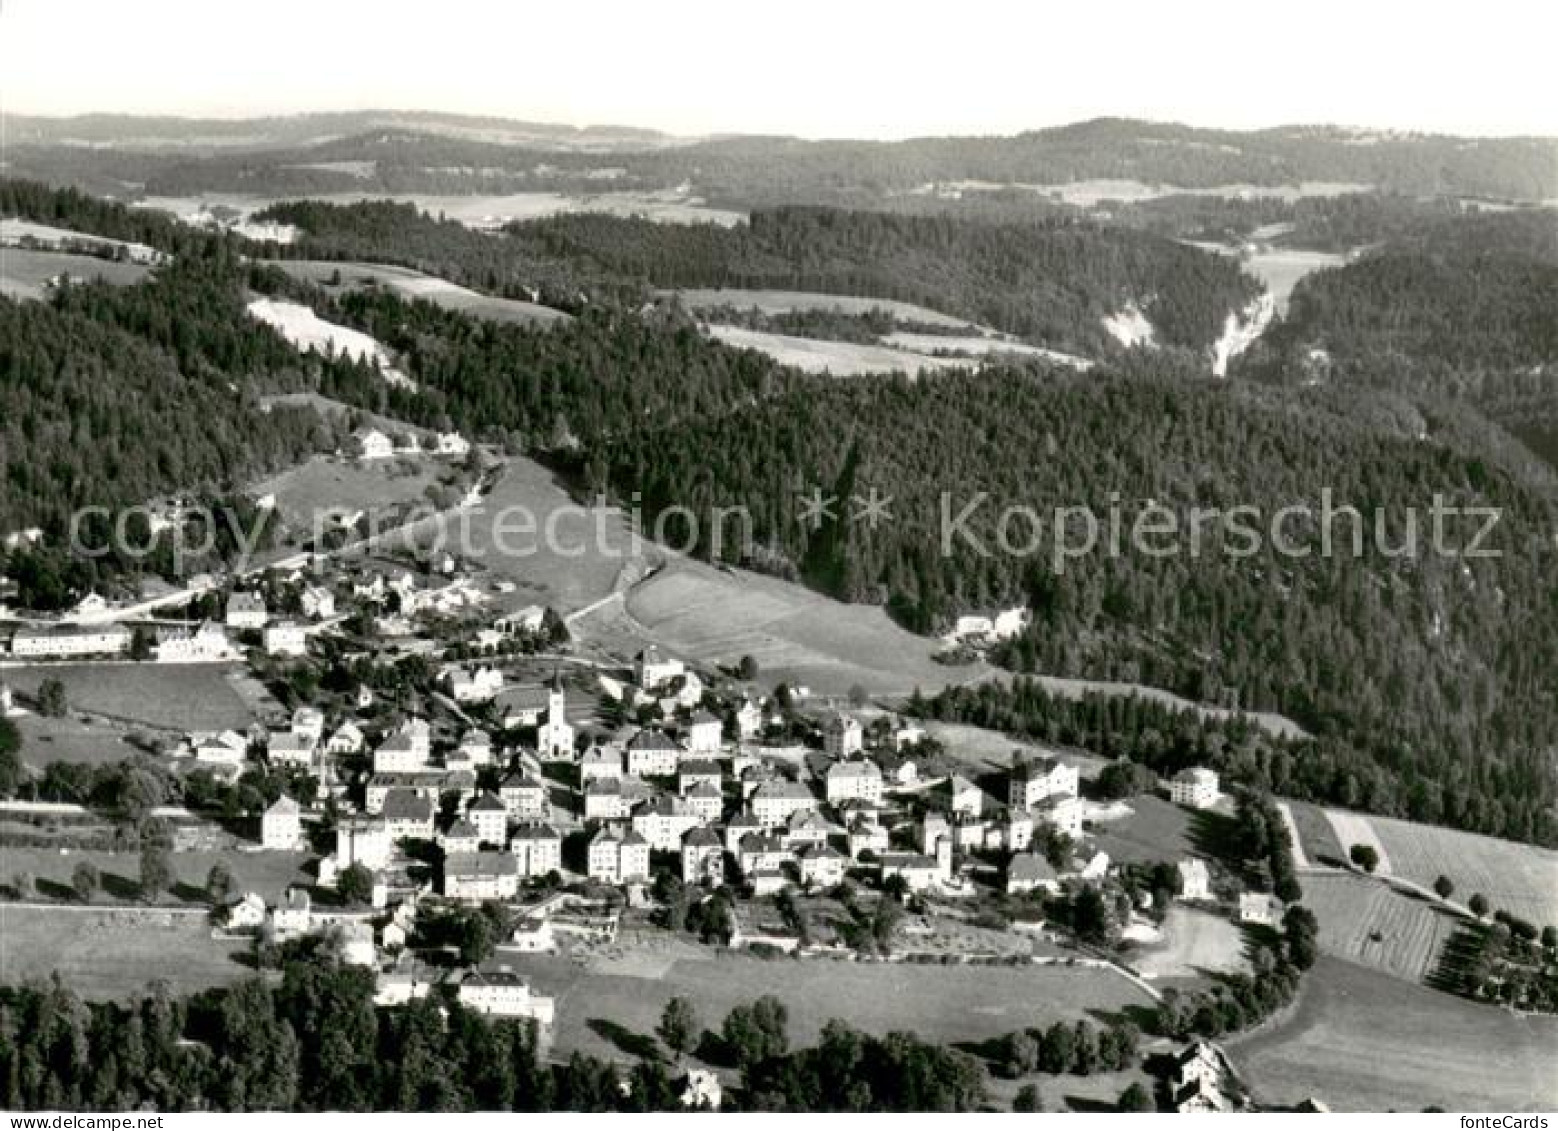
491, 819
502, 993
773, 802
408, 815
858, 780
703, 857
538, 847
1034, 779
600, 763
481, 876
525, 796
653, 753
663, 821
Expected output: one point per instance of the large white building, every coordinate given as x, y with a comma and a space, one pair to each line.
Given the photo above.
538, 847
652, 753
618, 858
1034, 779
192, 646
71, 640
854, 781
843, 737
281, 826
502, 993
481, 876
285, 638
774, 801
652, 669
1196, 787
247, 610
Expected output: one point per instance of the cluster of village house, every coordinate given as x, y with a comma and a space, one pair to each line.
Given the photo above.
725, 806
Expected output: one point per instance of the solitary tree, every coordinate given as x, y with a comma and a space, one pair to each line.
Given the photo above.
747, 668
355, 884
1366, 856
156, 871
1135, 1098
51, 699
1478, 904
1028, 1099
219, 883
678, 1026
86, 880
1444, 887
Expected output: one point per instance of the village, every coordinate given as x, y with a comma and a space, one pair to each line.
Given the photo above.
481, 793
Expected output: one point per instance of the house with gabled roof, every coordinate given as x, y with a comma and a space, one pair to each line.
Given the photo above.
703, 857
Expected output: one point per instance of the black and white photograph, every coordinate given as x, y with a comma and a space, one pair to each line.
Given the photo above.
690, 557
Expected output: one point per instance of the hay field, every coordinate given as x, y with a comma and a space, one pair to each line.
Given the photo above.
1368, 922
784, 302
1519, 878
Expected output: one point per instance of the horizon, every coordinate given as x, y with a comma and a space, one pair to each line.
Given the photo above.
864, 73
236, 118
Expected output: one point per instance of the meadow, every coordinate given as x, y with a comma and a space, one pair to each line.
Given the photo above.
840, 359
107, 954
411, 284
178, 697
940, 1003
25, 273
1363, 1041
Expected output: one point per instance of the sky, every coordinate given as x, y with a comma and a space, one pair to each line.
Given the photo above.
814, 68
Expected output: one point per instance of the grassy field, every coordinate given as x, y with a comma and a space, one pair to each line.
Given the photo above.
573, 568
112, 954
326, 486
1194, 943
25, 273
1363, 1041
841, 359
1155, 830
181, 697
1368, 922
1519, 878
784, 302
73, 740
1316, 837
415, 285
978, 346
794, 634
940, 1003
268, 873
1358, 829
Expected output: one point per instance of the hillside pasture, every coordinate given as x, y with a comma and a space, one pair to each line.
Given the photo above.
411, 284
1519, 878
1370, 923
1363, 1041
27, 274
796, 635
177, 697
327, 487
46, 740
